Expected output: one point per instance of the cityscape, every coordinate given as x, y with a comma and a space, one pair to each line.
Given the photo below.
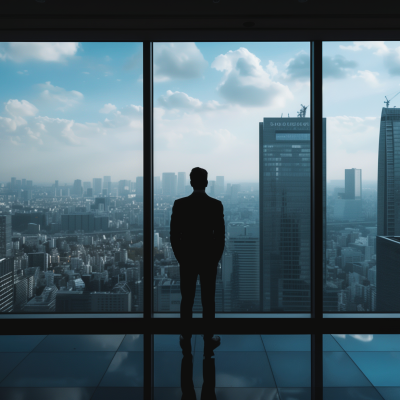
79, 247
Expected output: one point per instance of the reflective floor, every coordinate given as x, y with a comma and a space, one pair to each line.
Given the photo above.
262, 367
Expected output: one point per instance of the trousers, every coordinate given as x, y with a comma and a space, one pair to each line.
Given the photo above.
188, 275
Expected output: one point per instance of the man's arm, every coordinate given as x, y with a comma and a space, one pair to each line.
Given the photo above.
219, 232
175, 231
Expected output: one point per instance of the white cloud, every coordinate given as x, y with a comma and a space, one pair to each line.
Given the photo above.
247, 83
379, 47
177, 61
182, 101
18, 110
24, 72
85, 72
41, 51
352, 142
108, 108
59, 96
368, 76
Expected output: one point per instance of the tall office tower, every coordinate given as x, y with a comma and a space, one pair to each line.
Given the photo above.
219, 186
77, 188
29, 184
285, 219
5, 236
86, 186
157, 185
56, 184
243, 246
38, 260
387, 274
353, 184
89, 192
23, 183
96, 186
139, 186
13, 183
181, 183
210, 189
389, 174
228, 189
169, 182
123, 187
107, 183
6, 284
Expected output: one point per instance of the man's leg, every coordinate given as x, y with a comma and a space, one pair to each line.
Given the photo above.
208, 276
188, 276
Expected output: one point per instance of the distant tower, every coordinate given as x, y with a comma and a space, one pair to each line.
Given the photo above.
169, 183
5, 236
389, 173
353, 184
181, 183
96, 186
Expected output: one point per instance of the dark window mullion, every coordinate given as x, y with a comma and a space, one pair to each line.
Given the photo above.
317, 220
148, 231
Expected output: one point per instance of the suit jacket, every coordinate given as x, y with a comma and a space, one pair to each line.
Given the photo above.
197, 229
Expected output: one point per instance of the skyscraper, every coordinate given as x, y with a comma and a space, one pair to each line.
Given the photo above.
169, 182
219, 186
5, 236
96, 186
6, 284
77, 188
139, 186
353, 184
389, 174
285, 211
107, 184
181, 183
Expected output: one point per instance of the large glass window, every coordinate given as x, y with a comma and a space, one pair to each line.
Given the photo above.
240, 111
71, 186
361, 96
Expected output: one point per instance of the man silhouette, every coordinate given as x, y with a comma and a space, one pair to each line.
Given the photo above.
198, 239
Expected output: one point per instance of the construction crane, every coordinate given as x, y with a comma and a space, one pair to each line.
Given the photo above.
388, 101
302, 112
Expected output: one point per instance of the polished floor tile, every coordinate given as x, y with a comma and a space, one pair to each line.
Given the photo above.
369, 342
167, 368
352, 393
389, 393
295, 393
381, 368
330, 344
291, 369
169, 343
234, 343
60, 370
45, 393
132, 343
125, 370
19, 343
340, 371
118, 393
59, 343
237, 369
287, 342
8, 361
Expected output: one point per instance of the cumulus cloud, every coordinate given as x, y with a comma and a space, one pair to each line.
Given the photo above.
17, 111
40, 51
60, 96
178, 61
368, 76
392, 61
299, 67
182, 101
379, 47
108, 108
337, 66
246, 82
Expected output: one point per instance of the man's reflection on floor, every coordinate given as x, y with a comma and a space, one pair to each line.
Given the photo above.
208, 388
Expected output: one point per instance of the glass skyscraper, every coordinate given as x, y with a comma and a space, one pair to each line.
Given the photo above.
389, 173
285, 211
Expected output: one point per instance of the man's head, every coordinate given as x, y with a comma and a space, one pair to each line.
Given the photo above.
198, 178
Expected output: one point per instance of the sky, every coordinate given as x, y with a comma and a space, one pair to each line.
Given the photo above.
74, 110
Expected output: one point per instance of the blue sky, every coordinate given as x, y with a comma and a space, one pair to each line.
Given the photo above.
74, 110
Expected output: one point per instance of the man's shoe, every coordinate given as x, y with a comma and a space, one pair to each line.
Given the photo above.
186, 345
210, 345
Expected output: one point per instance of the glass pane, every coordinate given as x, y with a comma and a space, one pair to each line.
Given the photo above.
71, 225
361, 96
238, 110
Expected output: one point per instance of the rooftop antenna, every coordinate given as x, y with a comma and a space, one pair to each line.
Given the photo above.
303, 111
387, 102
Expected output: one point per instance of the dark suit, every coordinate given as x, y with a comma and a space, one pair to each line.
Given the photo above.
198, 239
